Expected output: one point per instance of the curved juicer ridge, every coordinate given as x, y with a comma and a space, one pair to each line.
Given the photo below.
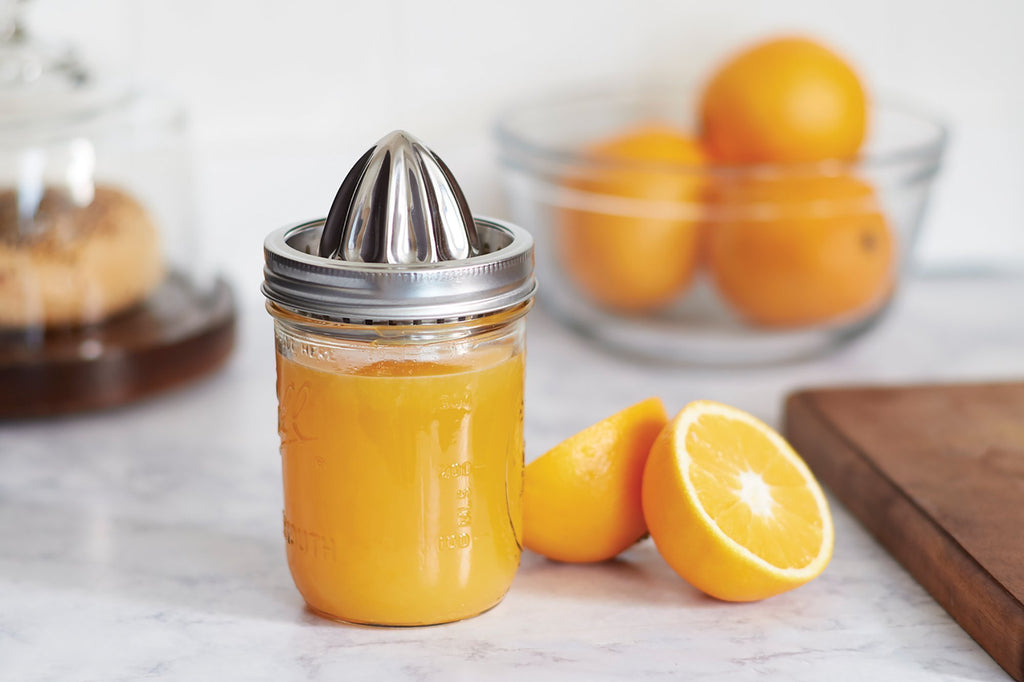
399, 204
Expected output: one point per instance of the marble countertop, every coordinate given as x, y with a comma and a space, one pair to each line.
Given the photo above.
145, 543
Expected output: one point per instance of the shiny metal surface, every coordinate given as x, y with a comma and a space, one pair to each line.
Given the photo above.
399, 204
302, 281
399, 246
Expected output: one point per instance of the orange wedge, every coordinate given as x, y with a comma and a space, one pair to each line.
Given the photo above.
732, 508
581, 499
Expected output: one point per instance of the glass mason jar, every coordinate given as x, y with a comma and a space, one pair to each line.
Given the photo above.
401, 439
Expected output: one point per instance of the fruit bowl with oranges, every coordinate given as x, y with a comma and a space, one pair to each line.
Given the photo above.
763, 216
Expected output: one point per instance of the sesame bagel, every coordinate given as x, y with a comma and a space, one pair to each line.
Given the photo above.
72, 264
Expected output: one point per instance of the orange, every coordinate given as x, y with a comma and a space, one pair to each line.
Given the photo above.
787, 99
732, 508
642, 257
799, 251
581, 500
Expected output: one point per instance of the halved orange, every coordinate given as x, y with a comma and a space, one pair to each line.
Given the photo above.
732, 508
581, 499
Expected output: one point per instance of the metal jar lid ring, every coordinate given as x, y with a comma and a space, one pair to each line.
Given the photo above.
298, 279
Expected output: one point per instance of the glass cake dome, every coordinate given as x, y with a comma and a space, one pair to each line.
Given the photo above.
105, 295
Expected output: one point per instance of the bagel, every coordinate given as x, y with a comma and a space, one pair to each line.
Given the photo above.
70, 264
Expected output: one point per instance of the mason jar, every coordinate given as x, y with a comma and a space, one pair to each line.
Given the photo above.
400, 392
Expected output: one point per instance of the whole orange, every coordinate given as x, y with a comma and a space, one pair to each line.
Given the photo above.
623, 242
799, 251
786, 99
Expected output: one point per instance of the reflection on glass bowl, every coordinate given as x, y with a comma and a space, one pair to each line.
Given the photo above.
698, 263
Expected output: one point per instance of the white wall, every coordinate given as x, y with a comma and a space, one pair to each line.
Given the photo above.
284, 94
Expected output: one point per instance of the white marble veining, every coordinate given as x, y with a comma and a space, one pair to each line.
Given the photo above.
145, 543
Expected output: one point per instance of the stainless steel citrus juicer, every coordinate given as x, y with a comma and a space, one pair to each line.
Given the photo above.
399, 204
399, 245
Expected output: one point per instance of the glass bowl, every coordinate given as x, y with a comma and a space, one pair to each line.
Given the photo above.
713, 264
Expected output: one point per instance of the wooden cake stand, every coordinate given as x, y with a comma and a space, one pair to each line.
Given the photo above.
178, 334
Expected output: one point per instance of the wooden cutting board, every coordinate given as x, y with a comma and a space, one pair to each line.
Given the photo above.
936, 474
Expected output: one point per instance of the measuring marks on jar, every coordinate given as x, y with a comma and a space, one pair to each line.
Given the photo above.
459, 475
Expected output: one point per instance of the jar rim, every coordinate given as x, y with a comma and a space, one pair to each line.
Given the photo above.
302, 282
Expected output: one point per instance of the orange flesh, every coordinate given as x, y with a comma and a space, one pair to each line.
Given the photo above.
754, 506
402, 487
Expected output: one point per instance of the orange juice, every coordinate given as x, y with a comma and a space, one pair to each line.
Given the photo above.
400, 332
402, 484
